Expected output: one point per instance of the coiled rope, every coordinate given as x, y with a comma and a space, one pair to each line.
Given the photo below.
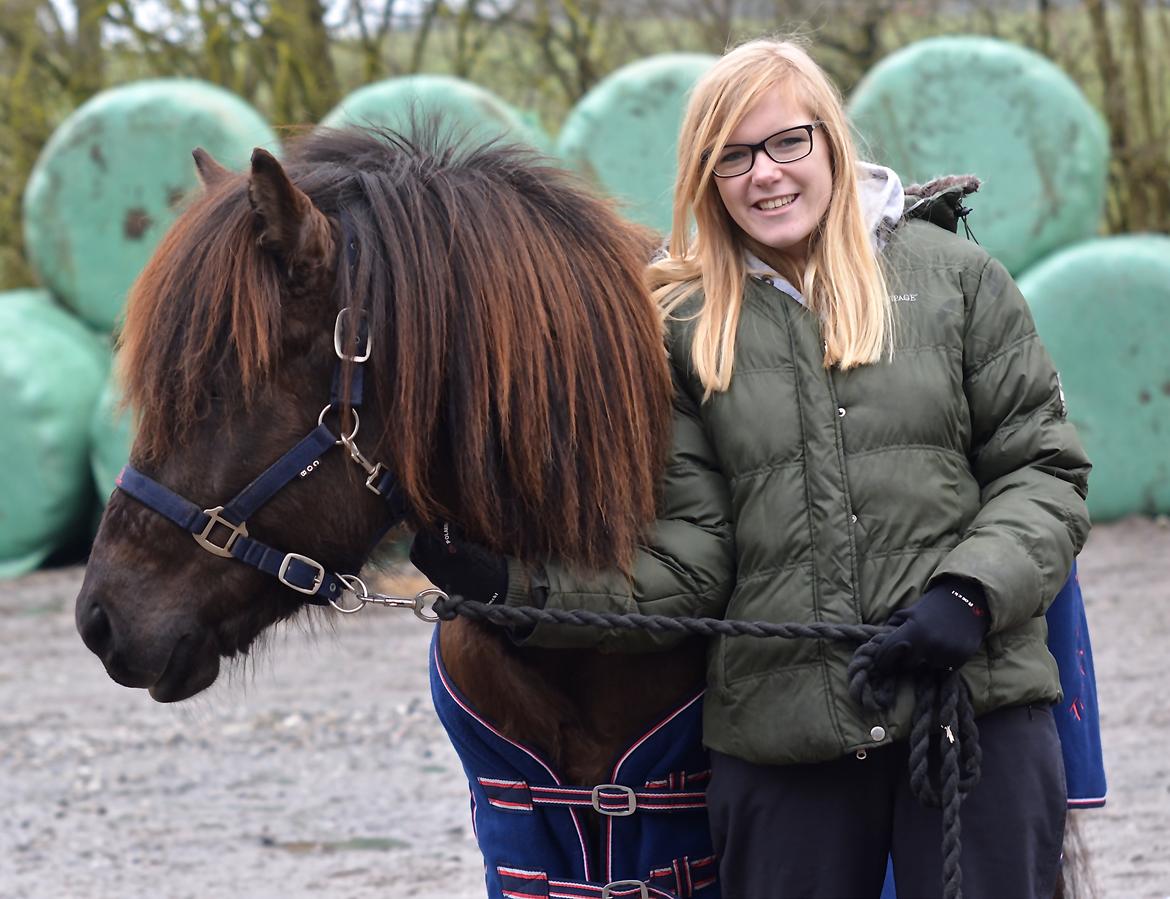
943, 729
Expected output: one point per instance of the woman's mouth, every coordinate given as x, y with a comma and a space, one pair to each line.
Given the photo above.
776, 203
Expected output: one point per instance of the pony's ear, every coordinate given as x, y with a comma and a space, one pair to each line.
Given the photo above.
289, 222
209, 171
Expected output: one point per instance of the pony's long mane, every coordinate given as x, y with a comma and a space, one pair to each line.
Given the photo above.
519, 362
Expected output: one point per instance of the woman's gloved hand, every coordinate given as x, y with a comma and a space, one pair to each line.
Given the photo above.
942, 630
459, 567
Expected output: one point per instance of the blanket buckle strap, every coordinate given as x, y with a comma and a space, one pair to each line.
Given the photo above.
625, 792
609, 891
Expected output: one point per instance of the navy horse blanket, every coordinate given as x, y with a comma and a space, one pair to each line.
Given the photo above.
655, 841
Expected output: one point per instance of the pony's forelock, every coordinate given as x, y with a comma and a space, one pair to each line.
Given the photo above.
203, 316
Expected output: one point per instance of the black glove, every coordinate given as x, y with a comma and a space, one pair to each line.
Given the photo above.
459, 567
942, 630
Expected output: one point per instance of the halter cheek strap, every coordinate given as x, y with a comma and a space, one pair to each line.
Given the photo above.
222, 530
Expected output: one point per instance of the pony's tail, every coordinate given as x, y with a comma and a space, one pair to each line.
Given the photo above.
1076, 880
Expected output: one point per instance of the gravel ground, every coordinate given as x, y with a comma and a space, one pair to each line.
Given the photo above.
320, 769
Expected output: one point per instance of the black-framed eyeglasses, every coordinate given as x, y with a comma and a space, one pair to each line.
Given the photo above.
788, 145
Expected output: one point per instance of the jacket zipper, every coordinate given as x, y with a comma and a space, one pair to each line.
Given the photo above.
839, 438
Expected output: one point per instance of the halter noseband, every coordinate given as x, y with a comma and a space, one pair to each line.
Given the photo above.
294, 570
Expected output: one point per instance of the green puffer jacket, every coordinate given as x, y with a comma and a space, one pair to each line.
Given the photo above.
849, 493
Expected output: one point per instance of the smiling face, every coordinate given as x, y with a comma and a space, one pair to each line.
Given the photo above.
779, 205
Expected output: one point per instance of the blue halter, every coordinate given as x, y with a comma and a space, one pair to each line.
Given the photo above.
207, 526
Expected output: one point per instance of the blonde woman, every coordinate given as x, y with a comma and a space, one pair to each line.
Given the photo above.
895, 440
867, 397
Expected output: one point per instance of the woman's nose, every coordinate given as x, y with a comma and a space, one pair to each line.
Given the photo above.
766, 170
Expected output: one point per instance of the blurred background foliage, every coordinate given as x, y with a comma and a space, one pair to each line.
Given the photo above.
294, 60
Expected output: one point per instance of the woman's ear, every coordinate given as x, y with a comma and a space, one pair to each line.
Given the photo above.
289, 224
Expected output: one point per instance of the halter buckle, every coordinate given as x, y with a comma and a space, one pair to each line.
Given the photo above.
362, 352
318, 576
610, 889
203, 538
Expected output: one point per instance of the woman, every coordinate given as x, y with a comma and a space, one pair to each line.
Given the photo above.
869, 394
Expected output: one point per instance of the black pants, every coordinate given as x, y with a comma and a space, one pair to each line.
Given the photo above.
825, 831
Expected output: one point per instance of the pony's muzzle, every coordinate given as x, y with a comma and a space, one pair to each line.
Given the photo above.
94, 625
98, 632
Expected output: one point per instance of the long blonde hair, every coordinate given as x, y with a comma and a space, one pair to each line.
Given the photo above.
842, 280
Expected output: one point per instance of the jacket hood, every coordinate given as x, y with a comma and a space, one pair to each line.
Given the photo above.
883, 199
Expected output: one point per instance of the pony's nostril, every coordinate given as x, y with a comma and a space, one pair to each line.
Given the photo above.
95, 629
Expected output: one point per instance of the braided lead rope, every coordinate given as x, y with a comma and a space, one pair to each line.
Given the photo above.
943, 726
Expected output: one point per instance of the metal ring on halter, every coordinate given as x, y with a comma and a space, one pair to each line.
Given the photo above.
421, 610
357, 423
352, 583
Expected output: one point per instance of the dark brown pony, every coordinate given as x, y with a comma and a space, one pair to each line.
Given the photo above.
518, 386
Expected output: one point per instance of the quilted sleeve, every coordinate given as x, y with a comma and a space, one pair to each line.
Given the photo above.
1031, 468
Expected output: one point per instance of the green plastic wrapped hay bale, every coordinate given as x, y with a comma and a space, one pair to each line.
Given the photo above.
401, 103
51, 370
1102, 308
970, 104
111, 431
623, 134
22, 295
110, 180
537, 134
